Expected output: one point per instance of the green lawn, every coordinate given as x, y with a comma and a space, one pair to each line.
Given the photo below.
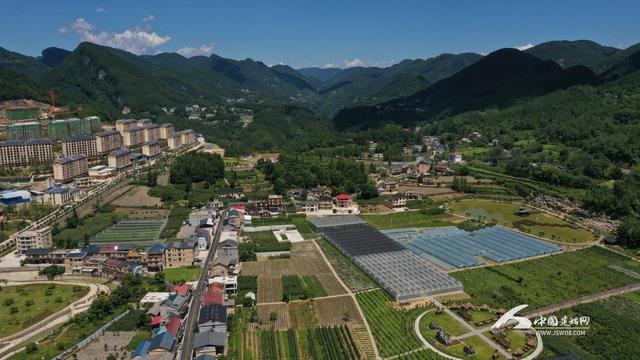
546, 281
265, 241
537, 223
25, 305
408, 219
183, 274
300, 221
90, 226
445, 321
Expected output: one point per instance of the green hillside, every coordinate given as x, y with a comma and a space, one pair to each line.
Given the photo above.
499, 79
572, 53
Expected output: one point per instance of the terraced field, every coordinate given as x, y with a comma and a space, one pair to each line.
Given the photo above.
131, 231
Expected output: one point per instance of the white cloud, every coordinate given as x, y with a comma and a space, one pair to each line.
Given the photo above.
135, 40
100, 9
328, 66
148, 18
352, 63
204, 49
81, 25
524, 47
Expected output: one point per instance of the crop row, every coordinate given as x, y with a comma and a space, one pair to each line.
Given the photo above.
392, 328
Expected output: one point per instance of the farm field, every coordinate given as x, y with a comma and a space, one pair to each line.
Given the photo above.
329, 343
184, 274
269, 289
353, 276
338, 311
266, 321
614, 320
537, 223
392, 327
130, 231
305, 261
546, 281
137, 196
90, 226
409, 219
25, 305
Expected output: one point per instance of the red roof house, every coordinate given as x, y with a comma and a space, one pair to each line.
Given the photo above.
156, 320
174, 325
213, 297
182, 289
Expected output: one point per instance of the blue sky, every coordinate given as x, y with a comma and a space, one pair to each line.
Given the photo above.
314, 33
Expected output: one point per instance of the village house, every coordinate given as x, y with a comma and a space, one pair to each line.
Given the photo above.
455, 157
180, 253
397, 201
319, 193
213, 317
388, 187
232, 193
209, 343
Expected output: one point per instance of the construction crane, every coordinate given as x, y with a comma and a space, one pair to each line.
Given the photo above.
52, 97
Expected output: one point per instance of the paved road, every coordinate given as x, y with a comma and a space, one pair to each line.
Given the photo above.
196, 299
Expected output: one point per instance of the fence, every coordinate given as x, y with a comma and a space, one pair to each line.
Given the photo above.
90, 338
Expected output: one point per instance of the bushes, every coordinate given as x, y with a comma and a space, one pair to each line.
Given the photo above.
196, 167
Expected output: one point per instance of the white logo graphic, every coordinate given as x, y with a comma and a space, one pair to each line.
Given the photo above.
522, 322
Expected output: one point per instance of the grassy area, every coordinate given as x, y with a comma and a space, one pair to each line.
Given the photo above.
265, 241
140, 336
90, 226
537, 223
546, 281
183, 274
300, 221
177, 215
62, 338
445, 321
25, 305
408, 219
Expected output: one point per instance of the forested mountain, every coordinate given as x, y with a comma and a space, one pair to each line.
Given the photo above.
321, 74
572, 53
499, 79
53, 56
17, 86
625, 65
22, 64
349, 86
104, 80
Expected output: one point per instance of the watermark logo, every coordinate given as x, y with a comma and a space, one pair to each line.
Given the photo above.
522, 322
546, 325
